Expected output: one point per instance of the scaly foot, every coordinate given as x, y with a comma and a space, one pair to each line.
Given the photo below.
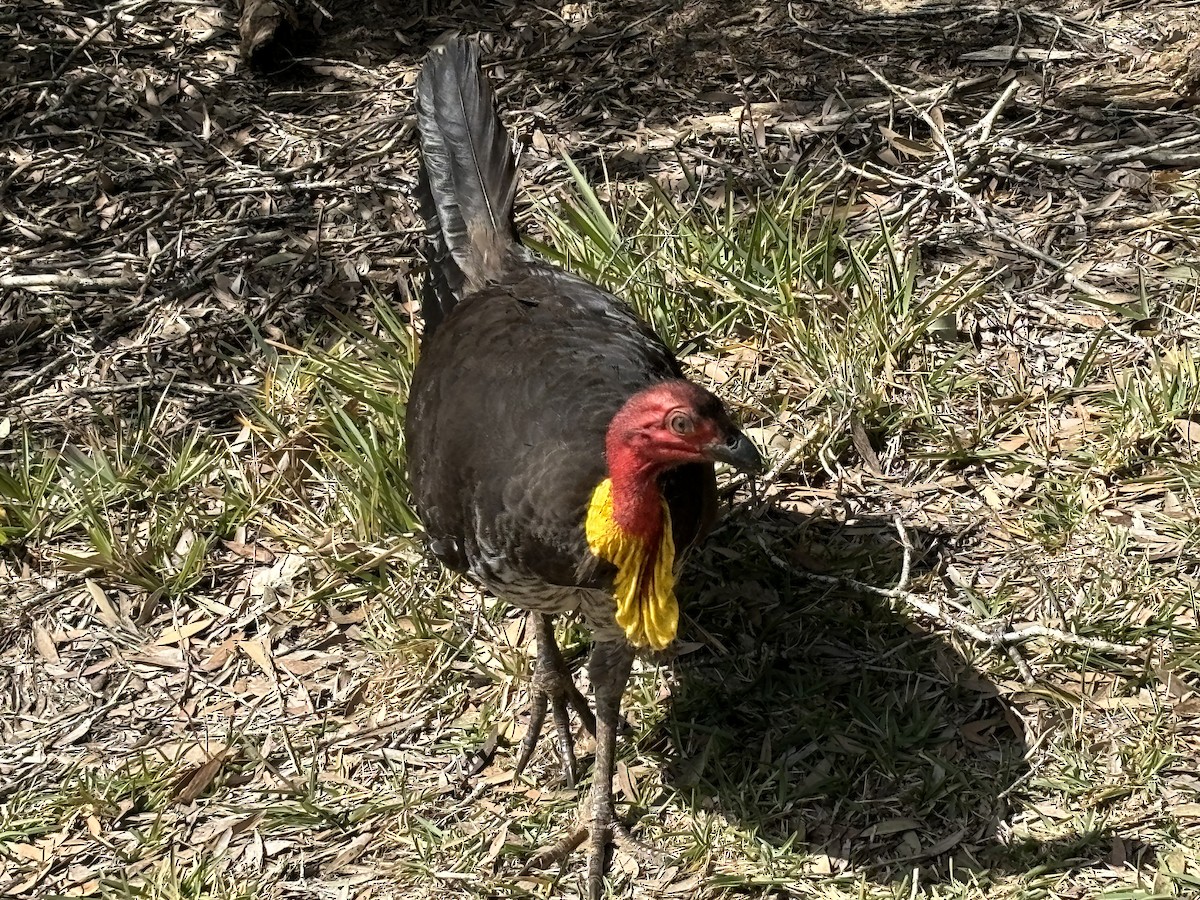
554, 689
608, 669
603, 829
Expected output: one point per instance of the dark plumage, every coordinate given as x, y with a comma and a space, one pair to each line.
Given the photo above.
522, 370
508, 416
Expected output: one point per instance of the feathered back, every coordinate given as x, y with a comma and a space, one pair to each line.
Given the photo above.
468, 178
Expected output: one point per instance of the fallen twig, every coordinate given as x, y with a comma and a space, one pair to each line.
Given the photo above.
1157, 153
997, 637
67, 282
989, 121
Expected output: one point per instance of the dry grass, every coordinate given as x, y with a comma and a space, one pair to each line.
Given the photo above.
942, 259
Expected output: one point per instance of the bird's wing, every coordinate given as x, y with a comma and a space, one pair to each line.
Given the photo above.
520, 388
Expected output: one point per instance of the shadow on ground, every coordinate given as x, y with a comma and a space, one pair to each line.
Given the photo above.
816, 715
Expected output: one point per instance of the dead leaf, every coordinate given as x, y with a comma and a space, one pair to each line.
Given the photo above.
258, 651
945, 844
1013, 444
973, 732
905, 145
891, 826
194, 783
44, 644
106, 612
178, 633
352, 851
255, 552
1189, 430
497, 844
862, 443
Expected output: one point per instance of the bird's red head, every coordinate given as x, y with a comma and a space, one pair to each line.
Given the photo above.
666, 425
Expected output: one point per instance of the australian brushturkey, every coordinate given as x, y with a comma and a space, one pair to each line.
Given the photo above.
556, 452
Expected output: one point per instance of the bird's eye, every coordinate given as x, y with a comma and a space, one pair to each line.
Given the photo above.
681, 423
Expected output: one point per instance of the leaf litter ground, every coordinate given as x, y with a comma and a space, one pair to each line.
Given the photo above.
945, 648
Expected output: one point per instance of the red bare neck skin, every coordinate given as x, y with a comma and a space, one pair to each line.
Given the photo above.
637, 500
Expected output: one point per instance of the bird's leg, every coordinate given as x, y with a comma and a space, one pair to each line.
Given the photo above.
553, 687
608, 669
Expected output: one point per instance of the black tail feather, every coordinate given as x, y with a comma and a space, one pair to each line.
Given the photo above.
468, 178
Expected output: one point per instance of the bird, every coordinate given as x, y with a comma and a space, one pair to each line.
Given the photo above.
556, 452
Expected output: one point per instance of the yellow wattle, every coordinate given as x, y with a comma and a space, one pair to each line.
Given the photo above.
645, 583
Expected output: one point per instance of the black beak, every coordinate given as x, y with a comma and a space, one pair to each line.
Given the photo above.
738, 452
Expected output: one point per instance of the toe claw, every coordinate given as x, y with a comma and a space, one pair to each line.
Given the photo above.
599, 834
537, 717
554, 689
566, 741
558, 851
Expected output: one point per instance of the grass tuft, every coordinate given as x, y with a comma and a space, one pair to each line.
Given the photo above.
833, 314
